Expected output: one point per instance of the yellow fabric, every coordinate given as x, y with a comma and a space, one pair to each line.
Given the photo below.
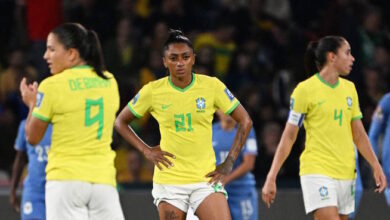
185, 124
82, 107
329, 111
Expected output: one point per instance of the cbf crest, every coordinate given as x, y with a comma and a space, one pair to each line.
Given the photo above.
324, 192
135, 99
200, 104
349, 102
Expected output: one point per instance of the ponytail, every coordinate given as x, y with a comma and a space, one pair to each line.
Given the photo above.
94, 55
310, 59
317, 51
74, 35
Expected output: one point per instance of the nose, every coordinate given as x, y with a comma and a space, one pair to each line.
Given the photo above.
46, 55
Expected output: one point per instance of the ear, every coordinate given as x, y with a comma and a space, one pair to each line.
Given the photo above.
73, 54
165, 62
331, 57
193, 60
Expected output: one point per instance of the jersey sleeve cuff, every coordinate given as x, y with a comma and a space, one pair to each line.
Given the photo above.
132, 111
357, 117
43, 118
232, 108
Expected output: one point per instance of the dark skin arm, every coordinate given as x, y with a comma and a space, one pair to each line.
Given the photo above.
35, 128
154, 154
244, 125
246, 166
17, 169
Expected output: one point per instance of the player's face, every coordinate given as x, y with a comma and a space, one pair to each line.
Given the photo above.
344, 59
56, 55
179, 59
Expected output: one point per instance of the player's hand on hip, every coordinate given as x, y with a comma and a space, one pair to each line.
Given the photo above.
158, 157
268, 193
219, 173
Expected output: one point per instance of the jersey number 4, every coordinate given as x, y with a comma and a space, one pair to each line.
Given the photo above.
338, 116
98, 117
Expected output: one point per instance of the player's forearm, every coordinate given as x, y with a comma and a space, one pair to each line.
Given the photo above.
17, 169
362, 143
283, 150
130, 136
242, 133
241, 170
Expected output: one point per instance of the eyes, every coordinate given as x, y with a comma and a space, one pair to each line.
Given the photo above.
175, 57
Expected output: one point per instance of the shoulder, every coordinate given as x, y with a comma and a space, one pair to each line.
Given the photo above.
22, 125
385, 100
346, 81
205, 78
157, 83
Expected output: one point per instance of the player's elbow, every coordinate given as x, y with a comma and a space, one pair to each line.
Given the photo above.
33, 140
247, 123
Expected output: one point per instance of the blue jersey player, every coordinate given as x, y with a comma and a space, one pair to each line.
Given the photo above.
240, 183
33, 198
380, 124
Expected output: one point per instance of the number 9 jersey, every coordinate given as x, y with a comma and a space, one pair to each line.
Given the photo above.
82, 107
327, 112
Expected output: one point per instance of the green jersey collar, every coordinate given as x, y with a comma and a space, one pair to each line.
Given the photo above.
81, 67
184, 89
326, 83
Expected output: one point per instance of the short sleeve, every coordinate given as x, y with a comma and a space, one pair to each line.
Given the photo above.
384, 104
46, 98
298, 100
224, 99
356, 113
20, 142
142, 101
251, 144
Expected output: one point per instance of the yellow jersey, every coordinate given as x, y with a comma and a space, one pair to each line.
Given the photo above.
185, 121
82, 107
329, 111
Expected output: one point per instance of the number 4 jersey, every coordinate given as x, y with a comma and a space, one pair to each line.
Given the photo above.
82, 107
327, 112
185, 121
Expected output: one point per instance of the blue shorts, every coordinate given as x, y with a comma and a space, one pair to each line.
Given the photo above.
32, 206
243, 206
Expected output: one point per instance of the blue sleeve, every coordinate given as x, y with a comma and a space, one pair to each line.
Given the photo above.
378, 121
251, 144
20, 142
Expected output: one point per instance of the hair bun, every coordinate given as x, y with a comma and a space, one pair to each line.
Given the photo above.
175, 33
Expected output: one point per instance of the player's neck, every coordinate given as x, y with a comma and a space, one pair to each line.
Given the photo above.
181, 81
329, 75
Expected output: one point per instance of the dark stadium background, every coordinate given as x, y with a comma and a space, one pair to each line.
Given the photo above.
259, 55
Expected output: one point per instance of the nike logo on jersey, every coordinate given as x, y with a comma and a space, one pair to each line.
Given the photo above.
320, 103
164, 107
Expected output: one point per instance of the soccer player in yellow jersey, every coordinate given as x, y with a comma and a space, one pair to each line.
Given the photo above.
80, 100
328, 106
184, 104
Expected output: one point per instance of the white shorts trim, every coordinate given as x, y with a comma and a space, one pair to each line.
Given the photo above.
185, 196
321, 191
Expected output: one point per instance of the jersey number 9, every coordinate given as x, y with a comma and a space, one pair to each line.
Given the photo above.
98, 117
